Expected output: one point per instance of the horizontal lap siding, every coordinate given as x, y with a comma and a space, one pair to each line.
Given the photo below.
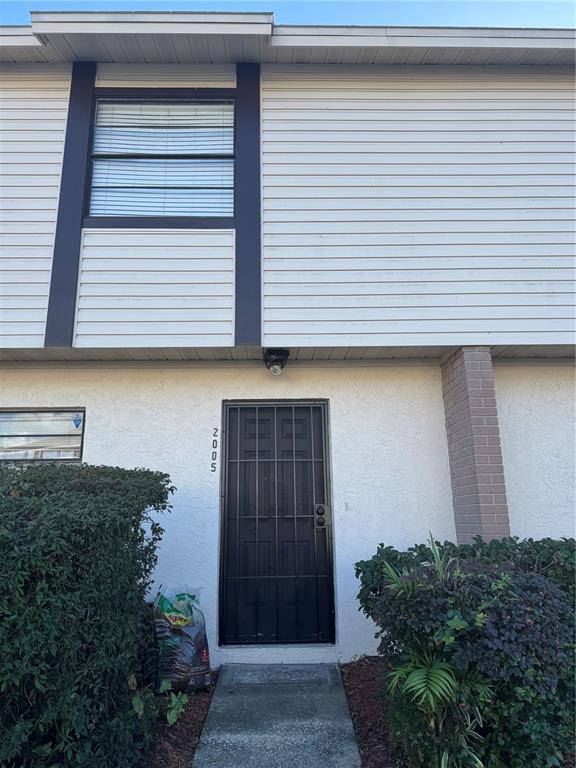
165, 76
429, 206
33, 113
156, 288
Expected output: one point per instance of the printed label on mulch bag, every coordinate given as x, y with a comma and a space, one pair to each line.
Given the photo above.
172, 614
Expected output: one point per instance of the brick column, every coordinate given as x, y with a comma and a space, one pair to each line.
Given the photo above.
476, 470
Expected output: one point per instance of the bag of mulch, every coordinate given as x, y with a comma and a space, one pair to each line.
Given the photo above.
184, 659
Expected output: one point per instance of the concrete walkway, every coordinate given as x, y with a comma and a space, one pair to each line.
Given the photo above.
278, 716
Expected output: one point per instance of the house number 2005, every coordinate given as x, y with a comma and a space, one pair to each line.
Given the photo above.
214, 454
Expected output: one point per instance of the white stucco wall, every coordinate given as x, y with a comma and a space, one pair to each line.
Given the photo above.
389, 464
536, 410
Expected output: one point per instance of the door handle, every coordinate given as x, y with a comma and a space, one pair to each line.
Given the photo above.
320, 512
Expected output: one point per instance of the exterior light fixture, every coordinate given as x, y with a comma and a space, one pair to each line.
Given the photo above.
275, 360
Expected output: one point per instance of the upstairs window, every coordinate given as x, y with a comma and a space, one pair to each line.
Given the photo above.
41, 435
163, 158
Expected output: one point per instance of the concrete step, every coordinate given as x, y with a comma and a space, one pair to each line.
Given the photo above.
278, 716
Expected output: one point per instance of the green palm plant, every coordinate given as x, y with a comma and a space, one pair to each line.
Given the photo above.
447, 761
446, 697
442, 562
394, 579
429, 681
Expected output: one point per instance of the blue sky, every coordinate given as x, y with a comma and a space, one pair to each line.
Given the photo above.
486, 13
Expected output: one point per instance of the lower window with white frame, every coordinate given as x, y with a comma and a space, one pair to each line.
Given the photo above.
55, 434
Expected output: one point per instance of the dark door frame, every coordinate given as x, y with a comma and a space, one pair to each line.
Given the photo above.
262, 402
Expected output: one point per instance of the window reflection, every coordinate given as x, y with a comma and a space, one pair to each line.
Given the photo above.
41, 435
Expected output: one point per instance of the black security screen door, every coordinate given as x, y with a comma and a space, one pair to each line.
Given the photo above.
276, 559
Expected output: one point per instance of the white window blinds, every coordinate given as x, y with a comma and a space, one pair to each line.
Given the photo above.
163, 159
41, 435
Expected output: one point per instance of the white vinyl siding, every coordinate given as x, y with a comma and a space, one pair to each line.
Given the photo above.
33, 114
156, 288
417, 206
166, 76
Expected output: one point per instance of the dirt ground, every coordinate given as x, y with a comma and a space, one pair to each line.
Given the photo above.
174, 746
364, 681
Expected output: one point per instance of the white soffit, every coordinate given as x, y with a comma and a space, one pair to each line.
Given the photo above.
219, 38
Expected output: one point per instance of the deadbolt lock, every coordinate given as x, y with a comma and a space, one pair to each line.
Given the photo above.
320, 511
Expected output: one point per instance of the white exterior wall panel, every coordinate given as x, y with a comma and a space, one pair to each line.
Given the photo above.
390, 475
156, 288
389, 462
536, 413
33, 114
416, 206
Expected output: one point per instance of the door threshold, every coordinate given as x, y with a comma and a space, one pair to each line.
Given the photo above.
280, 646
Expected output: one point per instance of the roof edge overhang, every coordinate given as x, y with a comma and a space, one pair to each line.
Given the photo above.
417, 37
71, 36
19, 37
151, 23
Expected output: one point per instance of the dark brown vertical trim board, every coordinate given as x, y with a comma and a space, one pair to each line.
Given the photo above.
65, 264
247, 206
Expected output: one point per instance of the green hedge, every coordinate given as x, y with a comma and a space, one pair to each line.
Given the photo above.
77, 550
480, 647
554, 558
